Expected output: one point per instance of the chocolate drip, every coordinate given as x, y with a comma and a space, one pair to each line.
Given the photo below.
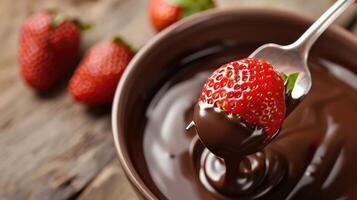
236, 164
250, 176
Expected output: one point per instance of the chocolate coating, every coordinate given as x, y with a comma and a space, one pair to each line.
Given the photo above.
227, 136
236, 172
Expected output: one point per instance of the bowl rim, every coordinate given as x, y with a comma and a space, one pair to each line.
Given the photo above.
122, 151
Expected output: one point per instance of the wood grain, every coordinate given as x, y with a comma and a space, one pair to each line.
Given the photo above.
52, 148
109, 185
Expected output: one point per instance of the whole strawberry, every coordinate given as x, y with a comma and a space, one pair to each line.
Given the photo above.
250, 89
96, 78
49, 47
166, 12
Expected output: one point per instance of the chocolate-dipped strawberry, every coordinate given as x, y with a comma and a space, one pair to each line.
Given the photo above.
241, 107
240, 110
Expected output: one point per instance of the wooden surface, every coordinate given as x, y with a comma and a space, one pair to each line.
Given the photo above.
52, 148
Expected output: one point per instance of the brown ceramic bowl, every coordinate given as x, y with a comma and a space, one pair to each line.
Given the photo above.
142, 78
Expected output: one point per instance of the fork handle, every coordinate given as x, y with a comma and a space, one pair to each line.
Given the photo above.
305, 42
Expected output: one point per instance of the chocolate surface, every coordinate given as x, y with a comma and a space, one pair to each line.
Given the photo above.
250, 176
318, 140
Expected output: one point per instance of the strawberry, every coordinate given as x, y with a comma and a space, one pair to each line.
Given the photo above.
49, 47
96, 78
251, 89
166, 12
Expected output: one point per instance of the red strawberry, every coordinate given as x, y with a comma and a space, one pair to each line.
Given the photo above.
96, 78
49, 48
166, 12
251, 89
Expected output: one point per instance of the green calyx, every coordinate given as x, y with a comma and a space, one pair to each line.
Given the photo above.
122, 42
58, 18
289, 81
191, 7
82, 26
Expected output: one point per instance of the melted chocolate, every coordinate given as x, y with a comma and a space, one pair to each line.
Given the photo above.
312, 158
227, 136
245, 177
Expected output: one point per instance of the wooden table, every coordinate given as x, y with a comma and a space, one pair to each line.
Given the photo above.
53, 148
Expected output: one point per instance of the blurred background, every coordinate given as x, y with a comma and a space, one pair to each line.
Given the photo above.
52, 148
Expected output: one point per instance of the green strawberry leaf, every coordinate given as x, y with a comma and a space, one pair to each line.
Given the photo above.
191, 7
119, 40
57, 19
290, 83
82, 26
284, 77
